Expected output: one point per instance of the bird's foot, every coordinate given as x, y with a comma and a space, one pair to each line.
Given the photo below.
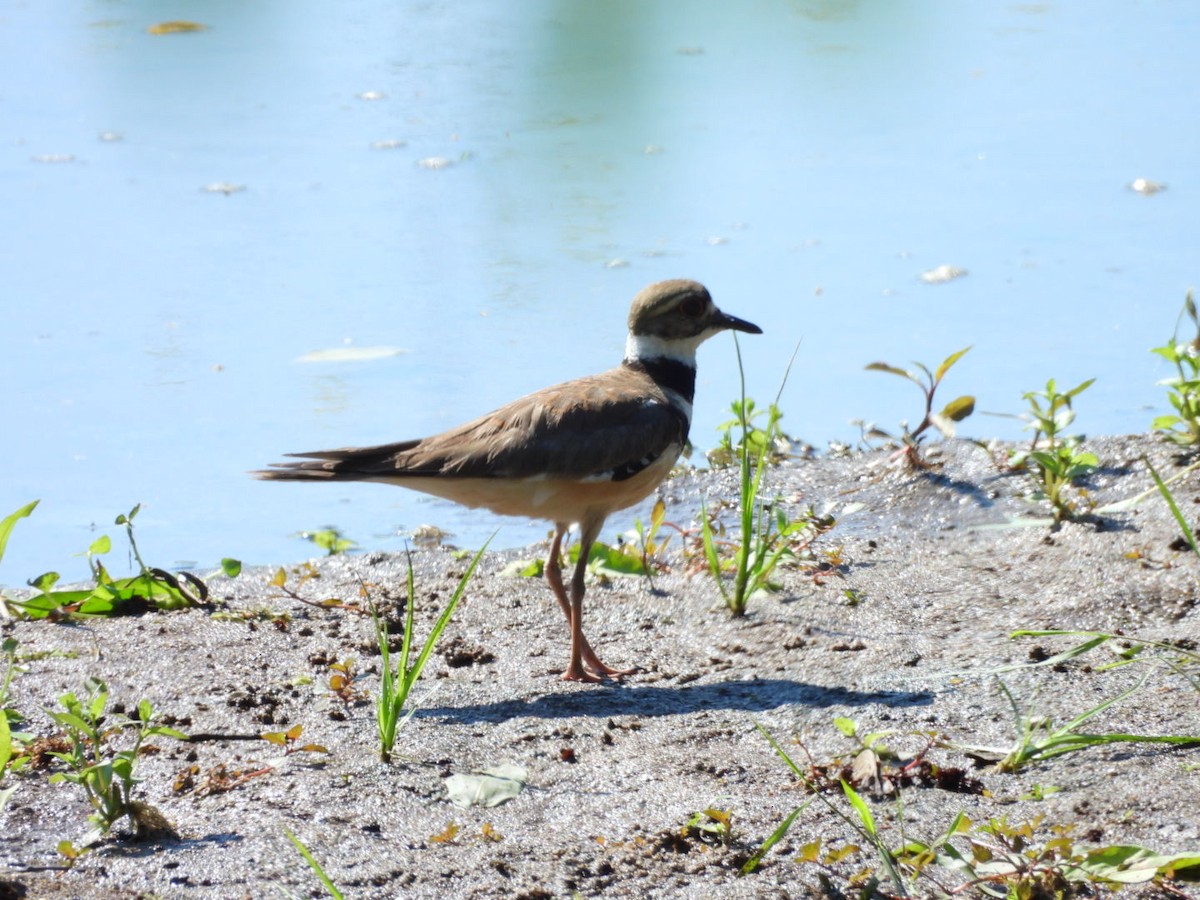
579, 673
592, 670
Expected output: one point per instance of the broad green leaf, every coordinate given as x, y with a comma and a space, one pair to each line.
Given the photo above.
100, 546
231, 567
44, 582
846, 726
523, 568
1134, 865
947, 363
893, 370
959, 408
8, 522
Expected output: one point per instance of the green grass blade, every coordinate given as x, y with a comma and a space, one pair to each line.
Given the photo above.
406, 643
1162, 489
314, 865
710, 554
1099, 708
776, 836
782, 753
861, 809
1078, 650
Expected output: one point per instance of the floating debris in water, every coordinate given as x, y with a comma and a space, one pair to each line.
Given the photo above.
1146, 187
652, 149
372, 95
434, 162
53, 158
177, 26
110, 137
942, 274
716, 241
350, 354
388, 144
617, 263
691, 51
223, 187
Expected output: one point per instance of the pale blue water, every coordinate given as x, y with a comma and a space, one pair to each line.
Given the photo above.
806, 160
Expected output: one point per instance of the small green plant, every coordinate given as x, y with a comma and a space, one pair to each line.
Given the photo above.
710, 825
1004, 859
1054, 459
107, 776
1179, 657
1039, 739
290, 741
770, 442
330, 539
151, 587
1184, 386
862, 822
764, 531
927, 383
999, 859
316, 867
396, 681
652, 549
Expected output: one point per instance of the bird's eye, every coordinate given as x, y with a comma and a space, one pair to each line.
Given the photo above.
692, 307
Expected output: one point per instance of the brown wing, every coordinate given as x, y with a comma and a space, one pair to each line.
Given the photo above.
610, 425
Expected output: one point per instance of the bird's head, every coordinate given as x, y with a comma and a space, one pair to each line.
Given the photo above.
670, 319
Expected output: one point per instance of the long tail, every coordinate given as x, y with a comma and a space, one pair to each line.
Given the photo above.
345, 464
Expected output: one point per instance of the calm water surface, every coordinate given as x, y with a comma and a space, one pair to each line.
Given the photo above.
480, 188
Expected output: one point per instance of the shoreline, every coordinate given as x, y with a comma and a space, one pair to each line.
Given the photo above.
904, 635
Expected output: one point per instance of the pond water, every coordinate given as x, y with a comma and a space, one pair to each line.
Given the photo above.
473, 192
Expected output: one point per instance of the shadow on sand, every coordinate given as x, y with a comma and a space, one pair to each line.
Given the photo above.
755, 695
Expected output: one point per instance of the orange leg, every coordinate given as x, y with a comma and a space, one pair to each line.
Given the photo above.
584, 664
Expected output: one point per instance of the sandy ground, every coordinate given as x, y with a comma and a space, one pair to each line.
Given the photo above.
616, 771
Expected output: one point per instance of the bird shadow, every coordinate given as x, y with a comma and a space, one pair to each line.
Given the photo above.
615, 699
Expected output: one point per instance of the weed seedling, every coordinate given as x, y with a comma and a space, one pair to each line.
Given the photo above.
150, 588
331, 540
927, 383
1054, 460
770, 441
290, 741
1184, 386
710, 826
106, 776
1038, 739
397, 681
764, 531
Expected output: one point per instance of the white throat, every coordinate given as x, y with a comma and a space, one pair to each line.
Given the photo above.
648, 346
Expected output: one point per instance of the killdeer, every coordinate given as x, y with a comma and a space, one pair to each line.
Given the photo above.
572, 453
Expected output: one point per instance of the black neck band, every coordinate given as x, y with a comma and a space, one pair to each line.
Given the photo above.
669, 373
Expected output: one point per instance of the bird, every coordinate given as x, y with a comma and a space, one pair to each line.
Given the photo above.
569, 454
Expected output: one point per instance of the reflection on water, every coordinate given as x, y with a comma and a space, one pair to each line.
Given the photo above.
188, 215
